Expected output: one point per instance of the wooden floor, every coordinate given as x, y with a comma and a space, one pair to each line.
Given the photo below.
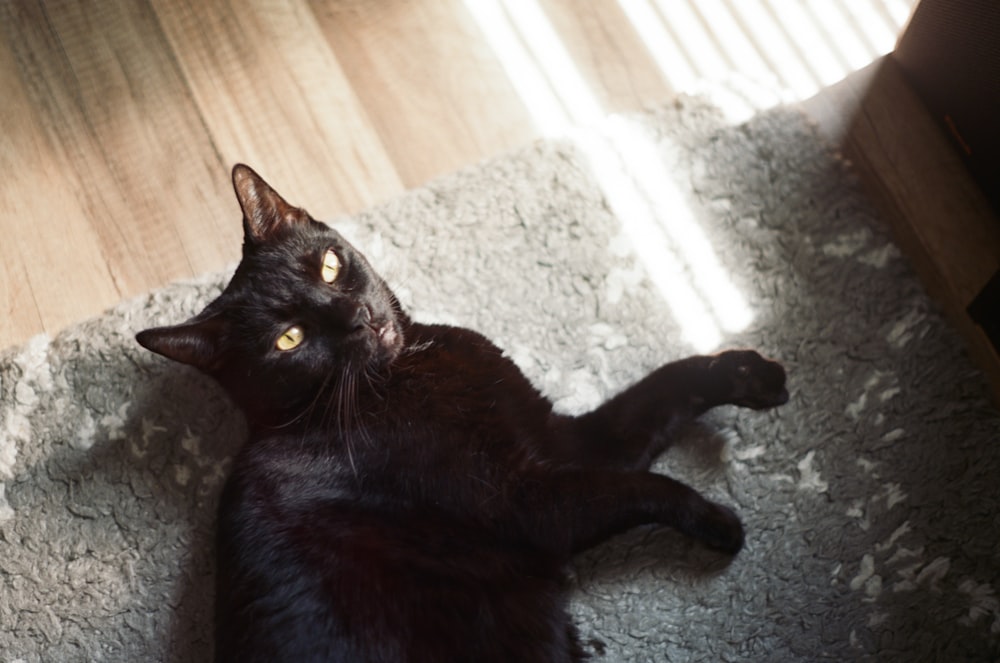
121, 120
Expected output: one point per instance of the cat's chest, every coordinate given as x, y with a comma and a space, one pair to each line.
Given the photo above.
458, 379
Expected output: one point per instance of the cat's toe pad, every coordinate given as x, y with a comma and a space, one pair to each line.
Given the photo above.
754, 381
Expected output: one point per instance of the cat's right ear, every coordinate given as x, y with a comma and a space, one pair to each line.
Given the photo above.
196, 342
265, 213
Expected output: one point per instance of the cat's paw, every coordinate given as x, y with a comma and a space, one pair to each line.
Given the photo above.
750, 379
719, 528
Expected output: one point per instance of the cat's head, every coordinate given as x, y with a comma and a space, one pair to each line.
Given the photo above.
303, 313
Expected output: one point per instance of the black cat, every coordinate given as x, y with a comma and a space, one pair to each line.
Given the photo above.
405, 493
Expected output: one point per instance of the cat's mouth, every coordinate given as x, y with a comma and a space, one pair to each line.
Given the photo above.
381, 331
389, 340
387, 334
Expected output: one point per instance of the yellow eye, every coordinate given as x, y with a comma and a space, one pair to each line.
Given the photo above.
290, 339
331, 267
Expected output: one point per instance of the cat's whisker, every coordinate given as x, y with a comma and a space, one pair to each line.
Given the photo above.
311, 409
307, 411
340, 408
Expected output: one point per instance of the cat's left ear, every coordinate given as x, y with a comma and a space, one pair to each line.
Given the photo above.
265, 213
197, 342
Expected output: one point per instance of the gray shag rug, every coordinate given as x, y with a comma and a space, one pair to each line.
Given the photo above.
871, 500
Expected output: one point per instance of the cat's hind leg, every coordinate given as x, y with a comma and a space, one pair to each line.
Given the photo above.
567, 511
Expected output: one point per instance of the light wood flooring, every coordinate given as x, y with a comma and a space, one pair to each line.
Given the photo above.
121, 120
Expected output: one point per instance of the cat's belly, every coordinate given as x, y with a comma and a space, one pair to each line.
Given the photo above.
361, 580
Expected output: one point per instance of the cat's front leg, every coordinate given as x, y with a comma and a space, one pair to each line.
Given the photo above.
630, 429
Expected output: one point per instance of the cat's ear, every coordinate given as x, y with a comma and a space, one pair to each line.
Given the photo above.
197, 342
265, 213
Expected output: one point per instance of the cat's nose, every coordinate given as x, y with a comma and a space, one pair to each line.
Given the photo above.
346, 316
362, 317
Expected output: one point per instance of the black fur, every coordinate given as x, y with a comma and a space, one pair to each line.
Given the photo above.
405, 493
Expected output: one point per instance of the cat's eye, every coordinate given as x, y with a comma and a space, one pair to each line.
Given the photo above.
331, 266
291, 339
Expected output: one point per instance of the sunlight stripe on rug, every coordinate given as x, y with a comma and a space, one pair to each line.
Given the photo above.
638, 186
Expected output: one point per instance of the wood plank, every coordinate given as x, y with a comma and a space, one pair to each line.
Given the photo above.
105, 88
609, 54
272, 94
941, 218
53, 267
437, 94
